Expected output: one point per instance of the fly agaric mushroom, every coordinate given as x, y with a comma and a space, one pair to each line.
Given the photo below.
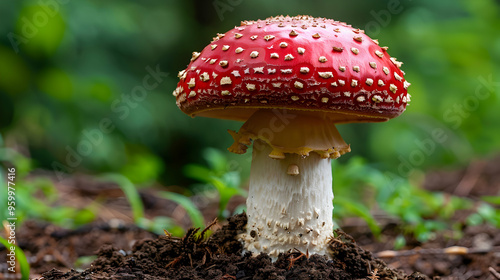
291, 79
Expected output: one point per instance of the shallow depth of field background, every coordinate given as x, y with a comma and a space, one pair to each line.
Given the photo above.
73, 98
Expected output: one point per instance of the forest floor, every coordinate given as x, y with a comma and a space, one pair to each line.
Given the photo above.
113, 247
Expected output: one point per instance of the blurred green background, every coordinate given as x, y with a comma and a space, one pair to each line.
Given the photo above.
68, 69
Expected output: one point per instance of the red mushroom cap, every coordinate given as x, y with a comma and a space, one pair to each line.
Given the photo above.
302, 63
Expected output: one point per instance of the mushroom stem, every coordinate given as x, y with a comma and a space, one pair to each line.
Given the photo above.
286, 212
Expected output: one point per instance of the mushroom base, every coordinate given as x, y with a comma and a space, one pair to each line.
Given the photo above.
289, 203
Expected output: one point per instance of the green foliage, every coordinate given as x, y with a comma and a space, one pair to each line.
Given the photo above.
157, 224
422, 213
348, 184
131, 193
66, 71
485, 214
142, 168
37, 198
216, 175
20, 258
399, 242
160, 223
185, 202
454, 89
354, 208
48, 33
492, 199
84, 261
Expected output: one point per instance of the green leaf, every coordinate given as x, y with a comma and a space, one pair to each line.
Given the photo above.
227, 183
198, 172
492, 199
474, 219
225, 193
159, 223
188, 205
84, 261
84, 216
56, 83
489, 214
399, 242
130, 192
142, 168
46, 28
20, 258
361, 211
216, 160
232, 179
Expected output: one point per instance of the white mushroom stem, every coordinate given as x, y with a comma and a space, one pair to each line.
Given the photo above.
287, 211
289, 204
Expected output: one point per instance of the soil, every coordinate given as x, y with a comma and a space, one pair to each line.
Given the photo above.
117, 249
220, 257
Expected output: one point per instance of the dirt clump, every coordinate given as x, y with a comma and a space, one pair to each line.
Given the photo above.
220, 257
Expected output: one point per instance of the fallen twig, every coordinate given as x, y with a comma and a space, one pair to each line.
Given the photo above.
292, 259
210, 225
495, 273
469, 180
174, 262
374, 275
454, 250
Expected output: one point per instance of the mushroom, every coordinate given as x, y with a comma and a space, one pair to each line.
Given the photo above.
292, 79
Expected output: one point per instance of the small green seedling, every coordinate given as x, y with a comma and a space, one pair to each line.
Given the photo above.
217, 175
157, 224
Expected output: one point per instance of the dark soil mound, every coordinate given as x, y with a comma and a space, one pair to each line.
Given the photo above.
220, 257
